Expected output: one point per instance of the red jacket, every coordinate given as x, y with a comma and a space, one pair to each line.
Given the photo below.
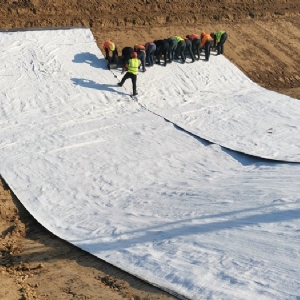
194, 36
148, 44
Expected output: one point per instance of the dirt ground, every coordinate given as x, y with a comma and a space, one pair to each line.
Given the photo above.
264, 42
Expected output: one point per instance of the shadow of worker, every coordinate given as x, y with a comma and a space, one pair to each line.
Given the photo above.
91, 59
91, 84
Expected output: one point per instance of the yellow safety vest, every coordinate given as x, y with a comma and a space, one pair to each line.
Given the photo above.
133, 66
178, 38
218, 35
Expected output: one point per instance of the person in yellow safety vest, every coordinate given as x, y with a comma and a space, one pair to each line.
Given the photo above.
219, 38
110, 46
180, 49
132, 71
206, 43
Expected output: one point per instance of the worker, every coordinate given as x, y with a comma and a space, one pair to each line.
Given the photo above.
162, 48
172, 48
126, 55
219, 38
109, 46
196, 44
141, 54
189, 48
132, 70
180, 49
206, 43
150, 49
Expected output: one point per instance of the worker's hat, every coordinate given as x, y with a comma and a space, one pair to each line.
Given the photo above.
112, 46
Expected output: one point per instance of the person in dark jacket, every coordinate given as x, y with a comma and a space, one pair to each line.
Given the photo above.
172, 48
132, 70
126, 54
162, 48
219, 38
189, 48
150, 49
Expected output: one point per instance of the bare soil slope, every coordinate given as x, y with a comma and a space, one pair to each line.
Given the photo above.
264, 42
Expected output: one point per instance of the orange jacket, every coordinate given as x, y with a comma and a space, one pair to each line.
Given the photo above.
204, 38
194, 36
109, 45
138, 47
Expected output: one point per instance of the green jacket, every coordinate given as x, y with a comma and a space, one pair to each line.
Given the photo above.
218, 35
178, 38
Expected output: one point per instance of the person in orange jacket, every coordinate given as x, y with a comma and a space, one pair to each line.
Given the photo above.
141, 54
110, 46
196, 43
206, 43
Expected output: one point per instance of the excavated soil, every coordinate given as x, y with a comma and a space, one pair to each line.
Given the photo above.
264, 42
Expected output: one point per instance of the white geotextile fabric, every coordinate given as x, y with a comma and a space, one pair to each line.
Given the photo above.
115, 179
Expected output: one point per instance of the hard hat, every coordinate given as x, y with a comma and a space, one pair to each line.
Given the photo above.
112, 46
134, 54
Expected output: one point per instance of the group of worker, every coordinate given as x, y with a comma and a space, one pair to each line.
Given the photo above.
171, 48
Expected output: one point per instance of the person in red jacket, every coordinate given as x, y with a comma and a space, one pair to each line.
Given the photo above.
189, 48
110, 46
196, 43
206, 43
141, 54
150, 49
